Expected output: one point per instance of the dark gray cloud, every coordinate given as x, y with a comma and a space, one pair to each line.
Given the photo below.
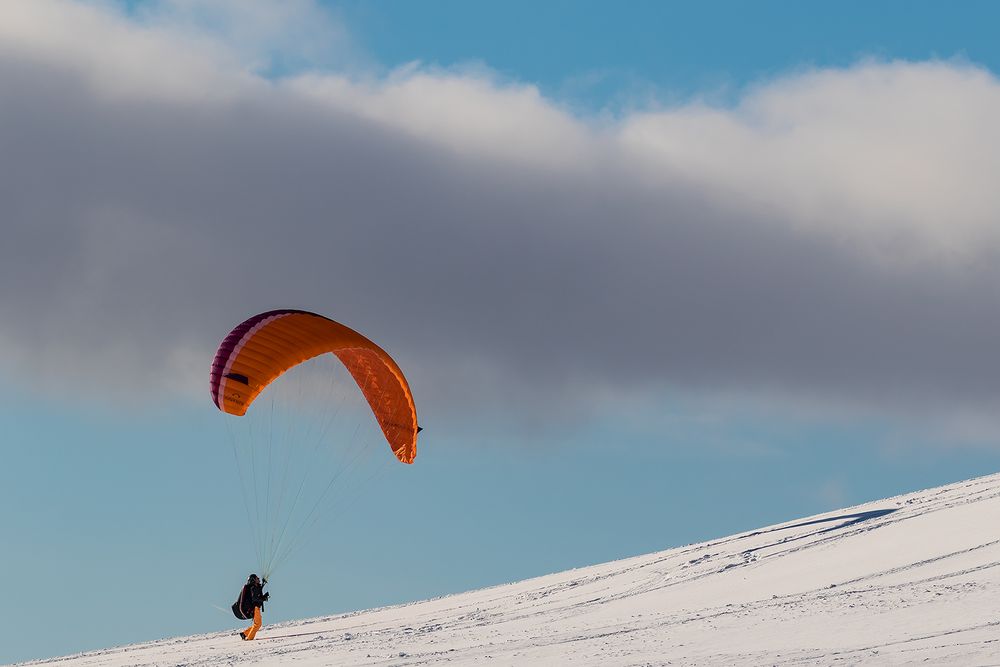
139, 225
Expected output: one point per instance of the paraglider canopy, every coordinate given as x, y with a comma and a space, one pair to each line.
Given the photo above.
263, 347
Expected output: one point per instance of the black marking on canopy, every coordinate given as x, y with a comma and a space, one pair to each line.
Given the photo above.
238, 378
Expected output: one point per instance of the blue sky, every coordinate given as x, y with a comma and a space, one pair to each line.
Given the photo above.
120, 512
679, 49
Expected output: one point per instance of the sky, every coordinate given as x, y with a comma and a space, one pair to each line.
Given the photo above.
656, 273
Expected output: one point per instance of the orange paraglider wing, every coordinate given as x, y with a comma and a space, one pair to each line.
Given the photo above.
266, 345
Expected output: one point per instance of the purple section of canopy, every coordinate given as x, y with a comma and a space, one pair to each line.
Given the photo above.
230, 342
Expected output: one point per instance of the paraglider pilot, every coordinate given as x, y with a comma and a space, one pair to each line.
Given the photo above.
250, 603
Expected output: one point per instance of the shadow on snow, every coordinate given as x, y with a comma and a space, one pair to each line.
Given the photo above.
848, 521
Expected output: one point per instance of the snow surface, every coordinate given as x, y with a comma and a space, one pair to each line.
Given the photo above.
910, 579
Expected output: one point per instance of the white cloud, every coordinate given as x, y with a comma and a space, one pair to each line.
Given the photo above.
896, 157
115, 57
468, 115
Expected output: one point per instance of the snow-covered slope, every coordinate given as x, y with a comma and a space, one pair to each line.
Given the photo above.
911, 579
